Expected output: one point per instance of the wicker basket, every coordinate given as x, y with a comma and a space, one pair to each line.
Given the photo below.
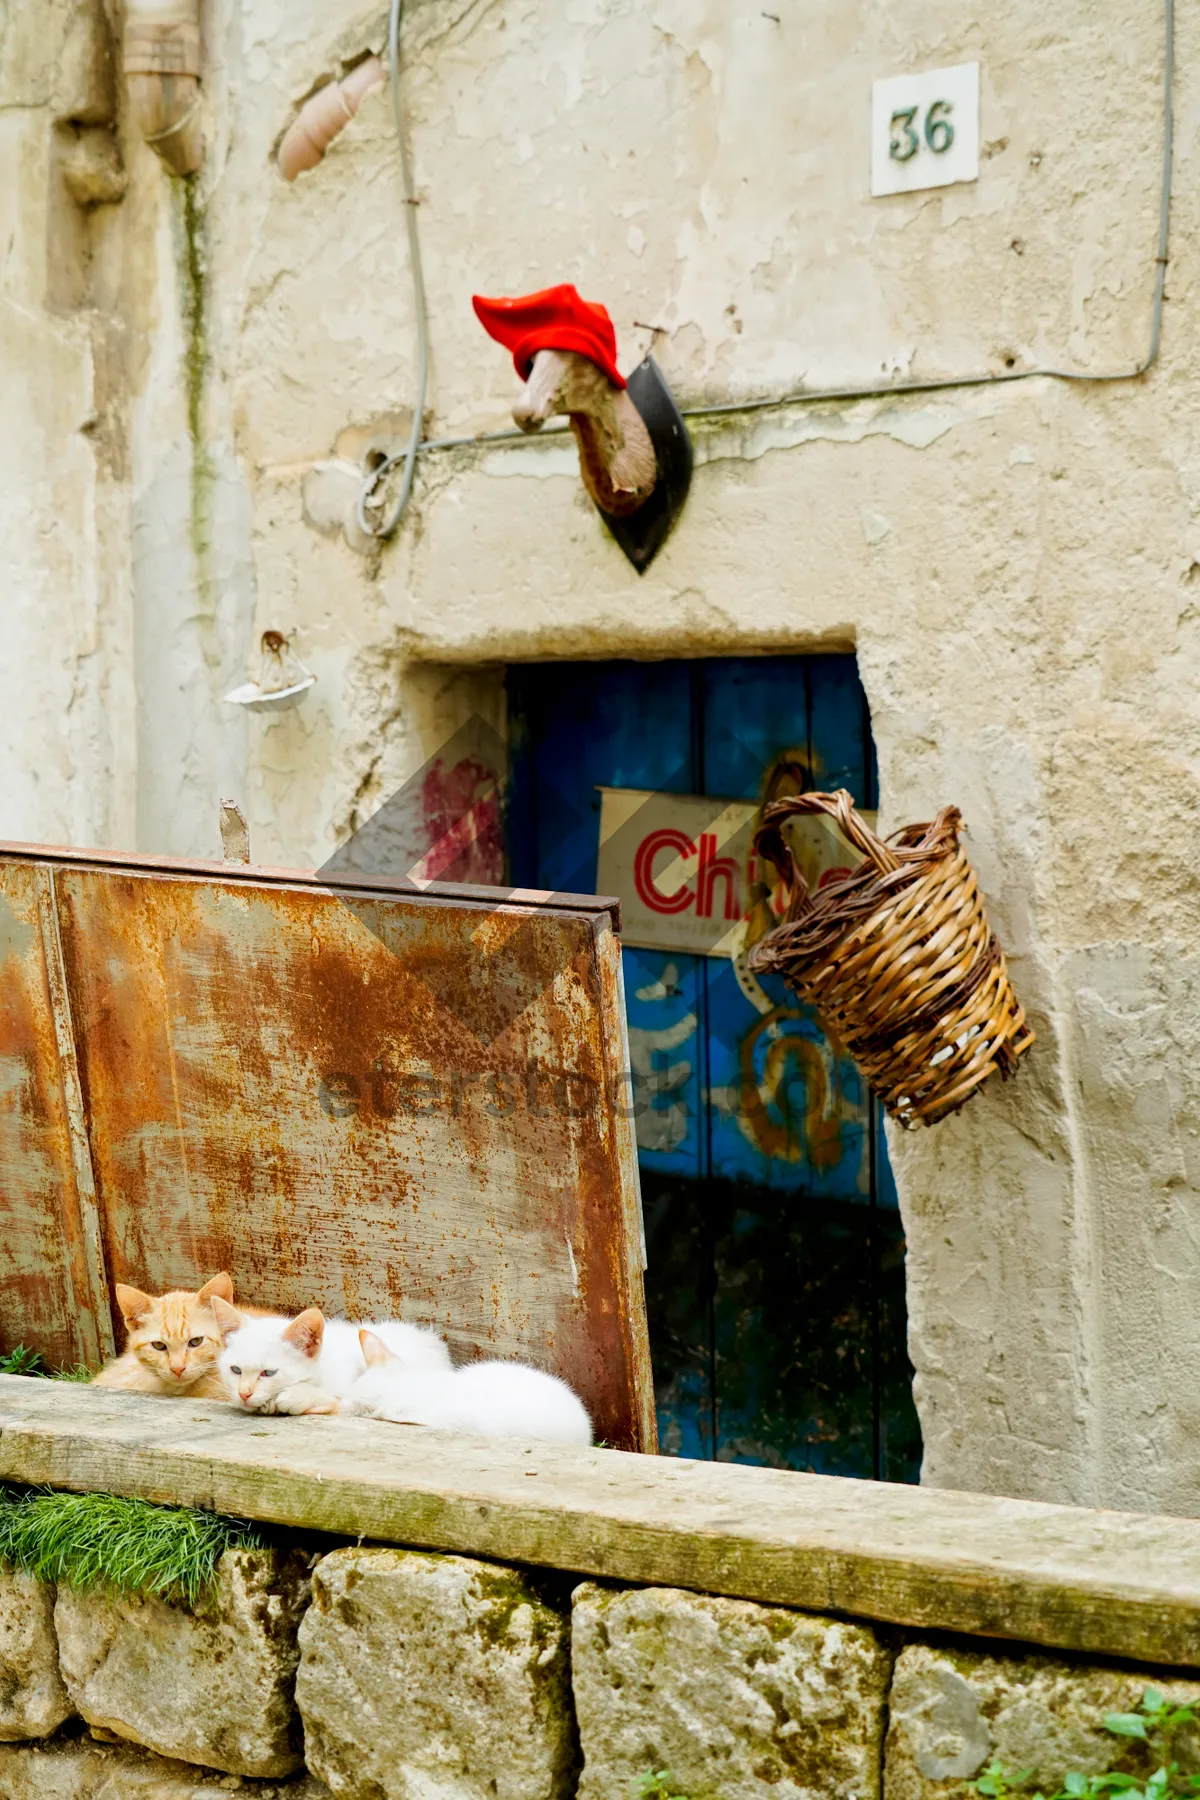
898, 959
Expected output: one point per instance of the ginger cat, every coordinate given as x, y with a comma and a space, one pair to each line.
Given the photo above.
172, 1343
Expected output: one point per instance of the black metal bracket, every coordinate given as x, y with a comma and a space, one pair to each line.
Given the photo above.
643, 533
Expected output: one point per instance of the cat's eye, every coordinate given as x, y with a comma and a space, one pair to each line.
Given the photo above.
267, 1373
158, 1344
195, 1343
233, 1369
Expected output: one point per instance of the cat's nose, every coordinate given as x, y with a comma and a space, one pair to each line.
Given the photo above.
245, 1393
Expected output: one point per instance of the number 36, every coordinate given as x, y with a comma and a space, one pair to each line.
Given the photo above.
905, 140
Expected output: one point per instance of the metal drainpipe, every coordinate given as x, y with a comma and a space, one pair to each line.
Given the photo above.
162, 72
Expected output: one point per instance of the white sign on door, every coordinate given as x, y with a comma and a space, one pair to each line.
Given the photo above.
925, 130
681, 865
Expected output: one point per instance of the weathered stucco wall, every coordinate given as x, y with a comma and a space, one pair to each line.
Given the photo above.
1016, 565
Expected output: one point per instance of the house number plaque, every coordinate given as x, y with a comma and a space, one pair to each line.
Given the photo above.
925, 130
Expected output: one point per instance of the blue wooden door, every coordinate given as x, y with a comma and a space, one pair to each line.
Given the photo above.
775, 1284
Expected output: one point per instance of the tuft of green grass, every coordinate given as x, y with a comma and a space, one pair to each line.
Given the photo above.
92, 1540
20, 1361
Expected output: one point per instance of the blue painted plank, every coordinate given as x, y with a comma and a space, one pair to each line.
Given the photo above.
581, 726
794, 1333
666, 1049
679, 1308
839, 727
755, 723
786, 1112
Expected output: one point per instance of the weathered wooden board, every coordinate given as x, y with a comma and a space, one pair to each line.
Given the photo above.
362, 1096
1116, 1583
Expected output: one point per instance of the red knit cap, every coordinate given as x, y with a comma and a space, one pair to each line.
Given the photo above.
555, 319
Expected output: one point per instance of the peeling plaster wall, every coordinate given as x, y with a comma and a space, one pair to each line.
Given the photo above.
1016, 566
66, 738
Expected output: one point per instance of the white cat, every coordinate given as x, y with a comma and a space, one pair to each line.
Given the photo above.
485, 1399
307, 1364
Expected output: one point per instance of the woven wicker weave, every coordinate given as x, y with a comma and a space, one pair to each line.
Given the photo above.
898, 959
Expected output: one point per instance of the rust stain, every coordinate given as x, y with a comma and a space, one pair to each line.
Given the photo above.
78, 1207
44, 1295
375, 1102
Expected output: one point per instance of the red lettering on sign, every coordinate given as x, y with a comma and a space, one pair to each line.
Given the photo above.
643, 870
714, 868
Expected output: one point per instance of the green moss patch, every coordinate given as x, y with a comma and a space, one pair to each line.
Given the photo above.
90, 1540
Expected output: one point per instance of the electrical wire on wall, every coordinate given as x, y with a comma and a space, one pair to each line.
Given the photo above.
384, 526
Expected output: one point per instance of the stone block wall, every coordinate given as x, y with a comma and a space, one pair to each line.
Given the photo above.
732, 1698
210, 1686
423, 1675
391, 1674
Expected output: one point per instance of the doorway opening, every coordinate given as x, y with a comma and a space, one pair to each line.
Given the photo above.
775, 1285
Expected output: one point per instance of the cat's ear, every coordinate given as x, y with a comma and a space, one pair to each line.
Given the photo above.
228, 1318
219, 1288
374, 1349
305, 1333
133, 1303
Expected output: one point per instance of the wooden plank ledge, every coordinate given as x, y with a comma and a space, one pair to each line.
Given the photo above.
1123, 1584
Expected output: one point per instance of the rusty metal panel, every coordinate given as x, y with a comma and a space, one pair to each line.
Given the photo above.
46, 1298
374, 1100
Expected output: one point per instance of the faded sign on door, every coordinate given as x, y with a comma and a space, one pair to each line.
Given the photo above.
685, 870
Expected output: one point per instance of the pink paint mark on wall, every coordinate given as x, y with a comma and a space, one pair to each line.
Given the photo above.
463, 826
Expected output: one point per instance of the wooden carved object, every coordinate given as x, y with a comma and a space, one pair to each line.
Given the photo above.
635, 455
616, 457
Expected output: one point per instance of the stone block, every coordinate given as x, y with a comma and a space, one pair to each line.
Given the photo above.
728, 1697
210, 1685
82, 1769
951, 1712
33, 1700
428, 1677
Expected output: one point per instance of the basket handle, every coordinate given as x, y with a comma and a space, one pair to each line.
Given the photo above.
770, 842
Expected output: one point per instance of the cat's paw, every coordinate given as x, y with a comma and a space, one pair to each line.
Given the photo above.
305, 1397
